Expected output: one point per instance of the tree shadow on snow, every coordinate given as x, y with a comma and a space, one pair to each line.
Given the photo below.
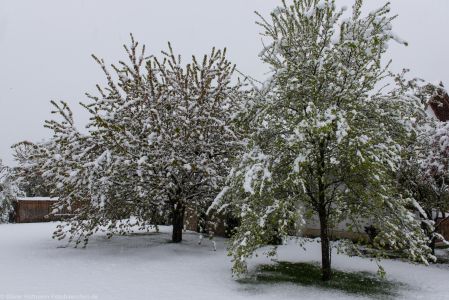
309, 274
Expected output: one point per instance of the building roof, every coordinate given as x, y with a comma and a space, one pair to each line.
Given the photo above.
37, 199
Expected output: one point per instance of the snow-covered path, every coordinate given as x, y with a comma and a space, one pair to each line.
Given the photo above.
146, 266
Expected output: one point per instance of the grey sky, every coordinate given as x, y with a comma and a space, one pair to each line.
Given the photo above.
45, 46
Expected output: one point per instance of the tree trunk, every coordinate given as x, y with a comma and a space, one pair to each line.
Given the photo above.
326, 272
178, 223
325, 246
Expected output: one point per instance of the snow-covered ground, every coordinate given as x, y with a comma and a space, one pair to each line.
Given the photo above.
147, 266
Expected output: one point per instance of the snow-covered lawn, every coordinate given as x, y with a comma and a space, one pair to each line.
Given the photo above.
147, 266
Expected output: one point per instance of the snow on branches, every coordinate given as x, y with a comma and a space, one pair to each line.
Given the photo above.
326, 142
434, 134
159, 139
424, 170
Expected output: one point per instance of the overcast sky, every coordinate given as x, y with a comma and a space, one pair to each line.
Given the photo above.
45, 46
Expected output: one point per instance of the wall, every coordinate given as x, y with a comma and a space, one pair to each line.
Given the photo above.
37, 210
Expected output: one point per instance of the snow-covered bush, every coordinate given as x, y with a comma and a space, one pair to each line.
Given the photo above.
324, 141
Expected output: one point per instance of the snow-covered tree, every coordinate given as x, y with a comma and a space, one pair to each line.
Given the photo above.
159, 139
434, 140
424, 170
325, 140
9, 191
